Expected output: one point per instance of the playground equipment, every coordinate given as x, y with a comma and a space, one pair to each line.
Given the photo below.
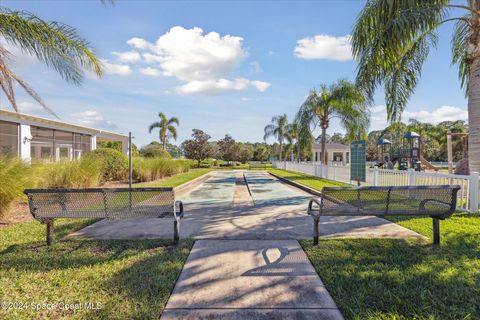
384, 149
409, 155
410, 151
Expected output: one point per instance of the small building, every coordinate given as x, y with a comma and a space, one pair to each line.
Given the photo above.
337, 153
30, 137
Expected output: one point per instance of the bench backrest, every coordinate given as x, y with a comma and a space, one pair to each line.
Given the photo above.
438, 201
113, 203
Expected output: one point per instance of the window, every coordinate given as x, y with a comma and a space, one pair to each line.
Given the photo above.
338, 156
9, 133
63, 145
49, 144
42, 143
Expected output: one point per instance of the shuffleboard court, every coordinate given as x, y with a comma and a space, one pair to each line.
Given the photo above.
217, 190
267, 190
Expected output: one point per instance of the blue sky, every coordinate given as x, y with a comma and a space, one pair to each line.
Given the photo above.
223, 67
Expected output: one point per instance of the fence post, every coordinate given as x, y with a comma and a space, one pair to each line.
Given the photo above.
334, 173
473, 191
324, 171
411, 177
375, 176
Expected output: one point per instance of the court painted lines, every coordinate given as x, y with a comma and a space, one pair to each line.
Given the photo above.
218, 189
266, 190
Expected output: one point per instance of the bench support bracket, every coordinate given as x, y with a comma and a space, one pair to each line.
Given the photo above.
50, 229
316, 231
436, 231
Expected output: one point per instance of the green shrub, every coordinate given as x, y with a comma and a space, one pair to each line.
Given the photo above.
154, 150
149, 169
14, 178
83, 173
114, 164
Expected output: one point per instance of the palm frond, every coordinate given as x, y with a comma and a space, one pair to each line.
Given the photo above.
390, 42
56, 44
173, 120
173, 131
153, 126
460, 52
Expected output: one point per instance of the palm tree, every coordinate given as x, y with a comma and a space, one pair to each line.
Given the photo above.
57, 45
277, 129
391, 41
293, 137
341, 100
166, 128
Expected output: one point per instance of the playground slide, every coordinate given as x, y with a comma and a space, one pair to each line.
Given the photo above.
427, 165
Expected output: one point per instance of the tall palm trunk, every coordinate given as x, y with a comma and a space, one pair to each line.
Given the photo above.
323, 155
281, 149
298, 151
474, 97
474, 116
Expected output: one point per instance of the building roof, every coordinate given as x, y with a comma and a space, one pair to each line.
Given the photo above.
56, 124
332, 146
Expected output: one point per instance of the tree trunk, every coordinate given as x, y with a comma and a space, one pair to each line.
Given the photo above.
298, 151
323, 155
281, 150
474, 111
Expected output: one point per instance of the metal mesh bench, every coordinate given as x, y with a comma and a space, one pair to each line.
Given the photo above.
112, 203
437, 202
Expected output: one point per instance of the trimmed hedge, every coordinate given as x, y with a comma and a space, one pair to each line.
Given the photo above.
114, 163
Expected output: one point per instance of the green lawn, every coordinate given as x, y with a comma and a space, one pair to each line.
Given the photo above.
123, 279
402, 279
175, 180
307, 180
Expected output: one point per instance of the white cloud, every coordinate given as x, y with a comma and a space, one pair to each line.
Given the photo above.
378, 117
220, 85
245, 99
443, 113
270, 53
260, 85
152, 72
116, 69
138, 43
127, 56
151, 58
324, 47
203, 62
93, 119
255, 67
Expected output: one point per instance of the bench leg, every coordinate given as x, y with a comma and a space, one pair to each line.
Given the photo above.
316, 232
49, 231
436, 231
176, 228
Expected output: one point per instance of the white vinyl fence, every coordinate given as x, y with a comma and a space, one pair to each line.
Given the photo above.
467, 196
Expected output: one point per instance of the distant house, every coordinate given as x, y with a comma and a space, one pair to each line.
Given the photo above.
336, 153
30, 137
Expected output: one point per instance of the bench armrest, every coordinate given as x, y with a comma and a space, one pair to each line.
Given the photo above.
314, 212
178, 209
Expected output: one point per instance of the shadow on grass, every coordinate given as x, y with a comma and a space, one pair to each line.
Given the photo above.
131, 278
386, 278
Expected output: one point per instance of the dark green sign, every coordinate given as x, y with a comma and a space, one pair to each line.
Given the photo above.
358, 161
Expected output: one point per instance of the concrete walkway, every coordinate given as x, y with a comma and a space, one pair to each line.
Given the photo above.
229, 273
248, 279
221, 208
